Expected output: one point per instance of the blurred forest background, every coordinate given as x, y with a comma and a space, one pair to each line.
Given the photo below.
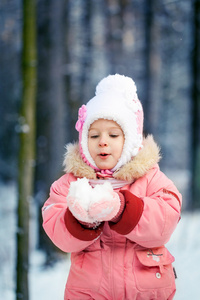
77, 44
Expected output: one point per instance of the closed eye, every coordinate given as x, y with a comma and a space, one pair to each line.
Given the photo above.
114, 135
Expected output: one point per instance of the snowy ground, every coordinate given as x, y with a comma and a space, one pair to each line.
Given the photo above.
49, 283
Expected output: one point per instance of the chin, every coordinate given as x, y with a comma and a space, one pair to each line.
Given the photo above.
105, 167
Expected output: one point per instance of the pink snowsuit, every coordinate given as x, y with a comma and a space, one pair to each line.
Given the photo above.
127, 259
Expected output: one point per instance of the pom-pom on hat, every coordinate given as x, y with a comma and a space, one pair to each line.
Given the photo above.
115, 99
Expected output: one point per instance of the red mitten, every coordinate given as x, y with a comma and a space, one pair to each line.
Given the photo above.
131, 215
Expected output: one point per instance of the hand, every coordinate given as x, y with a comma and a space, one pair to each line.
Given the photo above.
92, 205
79, 198
105, 203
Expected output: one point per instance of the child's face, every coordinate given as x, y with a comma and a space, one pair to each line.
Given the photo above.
105, 143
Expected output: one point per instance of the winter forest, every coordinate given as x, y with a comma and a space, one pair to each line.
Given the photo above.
53, 53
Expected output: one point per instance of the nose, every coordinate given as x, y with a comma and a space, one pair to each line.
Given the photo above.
103, 142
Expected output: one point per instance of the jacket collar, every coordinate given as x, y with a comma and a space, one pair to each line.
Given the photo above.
148, 156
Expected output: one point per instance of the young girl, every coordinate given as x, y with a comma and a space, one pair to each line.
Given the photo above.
114, 209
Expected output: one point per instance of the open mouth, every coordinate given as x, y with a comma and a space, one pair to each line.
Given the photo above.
103, 154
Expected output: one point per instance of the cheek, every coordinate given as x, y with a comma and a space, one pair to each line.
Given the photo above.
120, 152
122, 144
91, 147
119, 147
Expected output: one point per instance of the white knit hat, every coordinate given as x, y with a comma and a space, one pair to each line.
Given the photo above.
116, 99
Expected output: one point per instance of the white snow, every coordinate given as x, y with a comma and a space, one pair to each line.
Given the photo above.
185, 246
78, 189
49, 283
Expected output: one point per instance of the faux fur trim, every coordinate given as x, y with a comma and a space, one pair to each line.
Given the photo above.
136, 168
148, 156
73, 163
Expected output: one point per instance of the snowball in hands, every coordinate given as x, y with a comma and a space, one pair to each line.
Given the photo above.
78, 199
105, 203
92, 205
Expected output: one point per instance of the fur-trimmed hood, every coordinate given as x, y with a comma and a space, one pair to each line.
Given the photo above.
136, 168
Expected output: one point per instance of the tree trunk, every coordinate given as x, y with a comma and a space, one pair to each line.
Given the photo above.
196, 108
52, 132
153, 66
27, 146
114, 34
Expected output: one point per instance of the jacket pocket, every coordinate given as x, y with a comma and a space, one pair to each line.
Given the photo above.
153, 269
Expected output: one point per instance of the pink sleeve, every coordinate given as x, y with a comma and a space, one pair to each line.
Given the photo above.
152, 210
60, 226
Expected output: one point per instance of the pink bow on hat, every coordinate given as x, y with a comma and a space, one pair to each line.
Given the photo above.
82, 113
